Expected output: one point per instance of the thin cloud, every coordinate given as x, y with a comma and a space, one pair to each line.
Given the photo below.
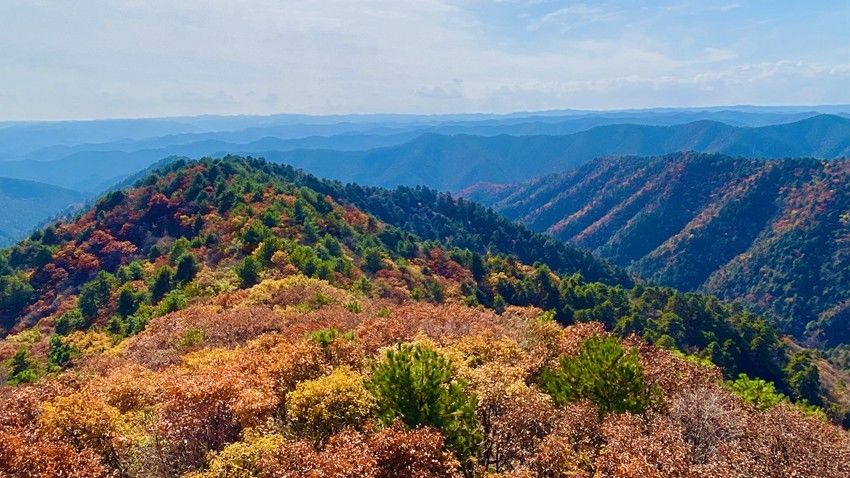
570, 16
159, 57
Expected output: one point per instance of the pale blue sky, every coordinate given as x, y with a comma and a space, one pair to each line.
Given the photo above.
131, 58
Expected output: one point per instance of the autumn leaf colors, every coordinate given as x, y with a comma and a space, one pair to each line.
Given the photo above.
232, 317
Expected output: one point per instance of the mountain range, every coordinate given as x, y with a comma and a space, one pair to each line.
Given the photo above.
454, 162
412, 152
449, 161
773, 233
44, 140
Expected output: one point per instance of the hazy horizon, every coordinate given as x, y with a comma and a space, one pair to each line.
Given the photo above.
777, 108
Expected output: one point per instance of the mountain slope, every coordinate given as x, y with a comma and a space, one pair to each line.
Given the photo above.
773, 232
26, 204
228, 209
235, 316
69, 254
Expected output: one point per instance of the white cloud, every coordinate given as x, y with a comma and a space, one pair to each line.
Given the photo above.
160, 57
718, 54
570, 16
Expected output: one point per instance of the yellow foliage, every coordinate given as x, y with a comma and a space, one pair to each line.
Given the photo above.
27, 337
87, 422
296, 290
241, 459
285, 364
130, 388
280, 258
319, 408
481, 349
210, 282
88, 343
206, 358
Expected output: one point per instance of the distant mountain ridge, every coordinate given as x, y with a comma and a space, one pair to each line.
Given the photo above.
390, 154
771, 232
24, 139
455, 162
26, 204
390, 157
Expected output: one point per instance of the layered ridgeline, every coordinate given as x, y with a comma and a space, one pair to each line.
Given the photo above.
25, 204
454, 162
420, 153
233, 316
773, 233
446, 157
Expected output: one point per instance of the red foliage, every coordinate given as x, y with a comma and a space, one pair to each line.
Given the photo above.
35, 456
416, 453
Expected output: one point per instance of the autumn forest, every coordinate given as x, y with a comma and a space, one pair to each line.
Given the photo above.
237, 318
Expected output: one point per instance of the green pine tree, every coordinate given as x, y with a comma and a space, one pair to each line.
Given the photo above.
604, 373
415, 384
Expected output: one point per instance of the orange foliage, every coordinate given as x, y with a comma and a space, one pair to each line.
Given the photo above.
206, 391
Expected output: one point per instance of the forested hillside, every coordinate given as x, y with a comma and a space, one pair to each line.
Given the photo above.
772, 233
239, 318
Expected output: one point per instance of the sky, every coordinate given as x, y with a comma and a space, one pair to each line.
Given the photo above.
84, 59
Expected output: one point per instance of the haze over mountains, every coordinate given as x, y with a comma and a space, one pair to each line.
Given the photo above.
23, 204
446, 152
455, 162
30, 140
563, 143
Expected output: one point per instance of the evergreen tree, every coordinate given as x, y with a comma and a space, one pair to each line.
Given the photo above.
804, 378
21, 368
59, 353
179, 248
248, 271
69, 321
15, 294
415, 384
95, 294
187, 268
128, 301
602, 372
478, 267
373, 259
163, 282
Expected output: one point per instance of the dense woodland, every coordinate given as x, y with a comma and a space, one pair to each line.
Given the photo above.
772, 233
233, 317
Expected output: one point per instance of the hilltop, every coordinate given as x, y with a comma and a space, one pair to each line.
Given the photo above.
233, 314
